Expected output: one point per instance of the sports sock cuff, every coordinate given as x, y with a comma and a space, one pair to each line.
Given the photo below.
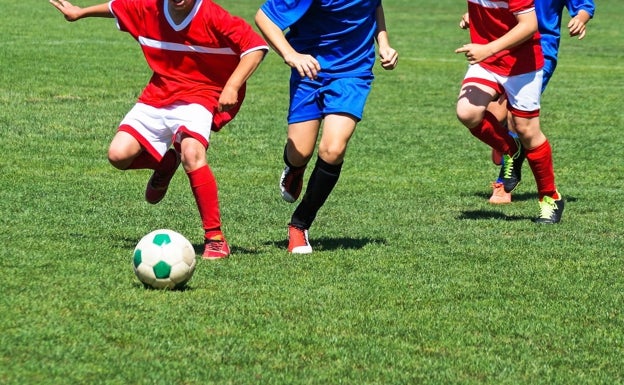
329, 168
542, 149
200, 176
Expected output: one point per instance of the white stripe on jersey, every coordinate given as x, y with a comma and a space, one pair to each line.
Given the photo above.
183, 47
491, 4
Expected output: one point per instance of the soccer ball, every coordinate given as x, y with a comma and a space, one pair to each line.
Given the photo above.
164, 259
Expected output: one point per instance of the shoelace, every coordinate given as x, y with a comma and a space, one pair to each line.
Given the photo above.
214, 244
300, 237
508, 165
547, 207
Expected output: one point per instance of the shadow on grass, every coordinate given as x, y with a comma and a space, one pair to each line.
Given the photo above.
489, 214
329, 244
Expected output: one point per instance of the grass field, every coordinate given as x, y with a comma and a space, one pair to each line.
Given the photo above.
415, 278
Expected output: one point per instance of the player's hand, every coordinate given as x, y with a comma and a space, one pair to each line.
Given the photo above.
306, 65
475, 53
228, 99
70, 11
388, 57
576, 27
464, 23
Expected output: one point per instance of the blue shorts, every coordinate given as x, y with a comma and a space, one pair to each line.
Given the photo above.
314, 99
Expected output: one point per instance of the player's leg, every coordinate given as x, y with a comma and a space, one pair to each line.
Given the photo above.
539, 156
498, 107
204, 187
298, 150
472, 103
192, 124
337, 130
342, 104
499, 196
142, 142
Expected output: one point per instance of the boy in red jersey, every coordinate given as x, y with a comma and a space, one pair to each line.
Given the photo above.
201, 57
505, 58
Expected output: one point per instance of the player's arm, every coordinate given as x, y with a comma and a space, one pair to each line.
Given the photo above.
387, 55
526, 27
306, 65
246, 67
74, 12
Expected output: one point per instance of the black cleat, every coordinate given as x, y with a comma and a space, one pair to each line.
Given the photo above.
551, 210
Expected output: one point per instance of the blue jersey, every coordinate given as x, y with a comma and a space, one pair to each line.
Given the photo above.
340, 34
549, 15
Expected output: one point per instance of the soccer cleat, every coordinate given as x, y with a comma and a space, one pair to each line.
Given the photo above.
159, 183
499, 196
298, 240
511, 170
216, 248
291, 183
497, 157
551, 210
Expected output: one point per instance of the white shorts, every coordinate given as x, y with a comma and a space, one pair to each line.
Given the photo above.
523, 91
158, 128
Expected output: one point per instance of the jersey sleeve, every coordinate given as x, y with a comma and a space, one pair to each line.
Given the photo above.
285, 13
521, 6
127, 13
236, 32
574, 6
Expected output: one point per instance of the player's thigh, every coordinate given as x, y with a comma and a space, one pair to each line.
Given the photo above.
474, 98
479, 88
337, 131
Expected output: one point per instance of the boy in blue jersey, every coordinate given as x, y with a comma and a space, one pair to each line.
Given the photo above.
330, 47
549, 18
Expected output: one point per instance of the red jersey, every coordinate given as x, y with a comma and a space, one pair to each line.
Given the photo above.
491, 19
193, 60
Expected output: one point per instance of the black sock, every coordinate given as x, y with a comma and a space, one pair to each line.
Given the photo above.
322, 181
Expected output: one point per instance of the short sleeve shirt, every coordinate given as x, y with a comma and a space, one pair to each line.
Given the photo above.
340, 34
191, 61
491, 19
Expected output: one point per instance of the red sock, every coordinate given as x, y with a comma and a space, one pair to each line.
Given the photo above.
540, 160
494, 134
204, 186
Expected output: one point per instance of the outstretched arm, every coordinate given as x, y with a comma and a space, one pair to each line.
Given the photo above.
387, 55
306, 65
74, 12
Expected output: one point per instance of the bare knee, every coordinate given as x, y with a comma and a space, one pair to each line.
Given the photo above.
332, 154
119, 159
470, 118
193, 157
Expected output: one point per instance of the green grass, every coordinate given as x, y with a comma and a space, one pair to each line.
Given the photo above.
415, 278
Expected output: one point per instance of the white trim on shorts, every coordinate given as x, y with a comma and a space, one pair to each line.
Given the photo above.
160, 127
523, 91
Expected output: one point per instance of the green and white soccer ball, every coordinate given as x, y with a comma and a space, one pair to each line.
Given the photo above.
164, 259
